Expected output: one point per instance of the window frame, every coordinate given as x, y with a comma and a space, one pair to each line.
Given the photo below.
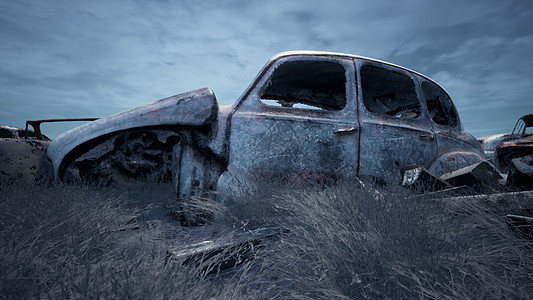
458, 124
254, 102
363, 63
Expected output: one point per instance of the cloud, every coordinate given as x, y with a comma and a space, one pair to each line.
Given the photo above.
92, 58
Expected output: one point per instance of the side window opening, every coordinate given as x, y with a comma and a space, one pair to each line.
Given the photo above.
389, 92
307, 84
440, 107
524, 126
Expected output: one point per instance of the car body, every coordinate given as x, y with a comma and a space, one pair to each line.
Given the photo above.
23, 155
308, 118
311, 117
521, 130
514, 154
518, 143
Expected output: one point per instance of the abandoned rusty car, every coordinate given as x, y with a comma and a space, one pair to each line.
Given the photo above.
317, 117
514, 154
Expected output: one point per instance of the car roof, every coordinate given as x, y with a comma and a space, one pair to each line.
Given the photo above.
346, 55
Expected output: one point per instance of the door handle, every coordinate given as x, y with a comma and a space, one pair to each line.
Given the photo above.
345, 130
427, 137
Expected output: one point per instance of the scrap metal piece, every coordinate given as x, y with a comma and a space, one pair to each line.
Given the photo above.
522, 199
215, 256
521, 172
420, 179
520, 223
482, 172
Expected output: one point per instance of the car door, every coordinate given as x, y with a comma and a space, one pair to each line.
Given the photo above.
298, 123
395, 130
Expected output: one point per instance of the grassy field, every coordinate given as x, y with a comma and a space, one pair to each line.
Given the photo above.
73, 241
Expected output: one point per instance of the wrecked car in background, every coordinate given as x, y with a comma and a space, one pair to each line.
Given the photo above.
515, 154
314, 117
23, 152
512, 153
23, 155
518, 143
521, 129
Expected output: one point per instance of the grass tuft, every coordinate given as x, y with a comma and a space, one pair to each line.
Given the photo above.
77, 241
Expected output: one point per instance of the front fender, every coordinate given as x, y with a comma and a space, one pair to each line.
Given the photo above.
194, 108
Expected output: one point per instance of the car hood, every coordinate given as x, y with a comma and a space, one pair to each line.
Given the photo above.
523, 142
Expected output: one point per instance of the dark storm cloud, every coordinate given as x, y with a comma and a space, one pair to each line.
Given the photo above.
93, 58
485, 62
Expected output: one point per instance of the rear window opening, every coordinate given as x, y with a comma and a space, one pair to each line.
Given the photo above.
524, 125
307, 84
439, 105
389, 92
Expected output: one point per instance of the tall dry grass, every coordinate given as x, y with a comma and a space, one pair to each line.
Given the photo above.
351, 243
75, 241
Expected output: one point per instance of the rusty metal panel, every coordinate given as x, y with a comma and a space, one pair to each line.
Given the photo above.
482, 172
223, 253
450, 141
24, 159
314, 145
195, 108
278, 147
454, 160
195, 176
386, 149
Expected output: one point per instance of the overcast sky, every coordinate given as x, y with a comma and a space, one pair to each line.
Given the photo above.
93, 58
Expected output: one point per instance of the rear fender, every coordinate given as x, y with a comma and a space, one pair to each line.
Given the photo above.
454, 160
